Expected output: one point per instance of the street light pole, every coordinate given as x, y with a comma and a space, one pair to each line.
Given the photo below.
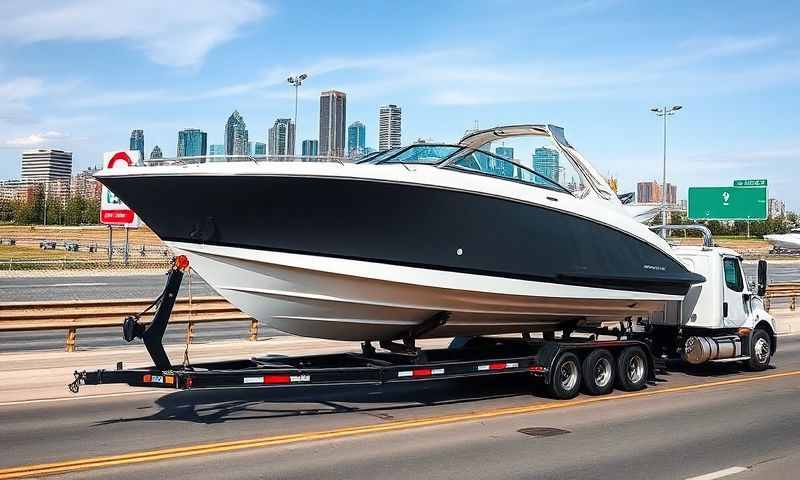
664, 112
296, 82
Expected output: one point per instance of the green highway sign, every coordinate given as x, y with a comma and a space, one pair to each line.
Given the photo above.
757, 182
727, 203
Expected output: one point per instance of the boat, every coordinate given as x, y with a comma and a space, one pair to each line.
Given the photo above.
785, 241
427, 240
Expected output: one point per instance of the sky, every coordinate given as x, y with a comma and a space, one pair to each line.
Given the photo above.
81, 74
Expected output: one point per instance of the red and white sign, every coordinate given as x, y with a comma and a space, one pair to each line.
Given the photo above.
112, 210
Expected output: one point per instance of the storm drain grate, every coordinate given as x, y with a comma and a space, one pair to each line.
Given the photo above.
542, 431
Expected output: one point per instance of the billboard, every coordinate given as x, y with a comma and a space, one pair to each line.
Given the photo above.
727, 203
112, 210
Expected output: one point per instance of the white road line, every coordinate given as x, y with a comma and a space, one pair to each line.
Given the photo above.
86, 284
160, 391
720, 473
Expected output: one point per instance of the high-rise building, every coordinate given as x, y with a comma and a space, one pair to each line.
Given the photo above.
280, 138
356, 138
236, 137
192, 143
216, 149
85, 185
332, 121
672, 194
310, 148
259, 148
650, 192
505, 152
776, 208
46, 165
156, 154
389, 119
545, 162
137, 142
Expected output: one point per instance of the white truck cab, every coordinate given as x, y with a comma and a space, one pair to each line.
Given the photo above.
722, 319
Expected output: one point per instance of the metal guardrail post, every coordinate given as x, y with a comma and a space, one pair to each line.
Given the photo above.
72, 336
792, 305
253, 330
189, 332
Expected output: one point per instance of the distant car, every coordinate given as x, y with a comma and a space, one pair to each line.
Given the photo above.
47, 245
71, 246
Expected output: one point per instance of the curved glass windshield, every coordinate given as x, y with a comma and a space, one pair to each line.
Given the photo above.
423, 154
488, 164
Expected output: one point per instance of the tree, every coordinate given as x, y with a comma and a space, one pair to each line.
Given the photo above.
73, 211
55, 211
91, 211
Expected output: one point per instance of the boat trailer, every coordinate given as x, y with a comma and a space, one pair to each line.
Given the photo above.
464, 357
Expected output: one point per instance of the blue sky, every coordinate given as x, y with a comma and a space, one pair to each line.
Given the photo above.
80, 74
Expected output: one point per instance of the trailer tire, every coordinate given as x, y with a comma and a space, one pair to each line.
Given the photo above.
598, 371
565, 381
632, 369
760, 351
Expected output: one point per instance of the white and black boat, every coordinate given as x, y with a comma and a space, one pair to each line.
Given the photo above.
432, 239
785, 242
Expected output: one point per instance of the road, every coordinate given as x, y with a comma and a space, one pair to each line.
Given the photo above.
92, 287
689, 424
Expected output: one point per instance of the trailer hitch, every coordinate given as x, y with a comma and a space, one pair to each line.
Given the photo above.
153, 334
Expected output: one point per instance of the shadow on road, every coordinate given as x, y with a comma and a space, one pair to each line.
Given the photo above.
223, 405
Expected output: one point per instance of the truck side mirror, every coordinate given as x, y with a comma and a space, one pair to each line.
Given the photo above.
762, 278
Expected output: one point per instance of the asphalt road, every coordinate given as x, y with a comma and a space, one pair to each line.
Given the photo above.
739, 423
92, 287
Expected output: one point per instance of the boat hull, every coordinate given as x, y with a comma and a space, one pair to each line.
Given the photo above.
354, 300
368, 257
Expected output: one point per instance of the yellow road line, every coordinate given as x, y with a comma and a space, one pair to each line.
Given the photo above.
209, 448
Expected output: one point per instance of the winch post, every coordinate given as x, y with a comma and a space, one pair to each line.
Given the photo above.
154, 334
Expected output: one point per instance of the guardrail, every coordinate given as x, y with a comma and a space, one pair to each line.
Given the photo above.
70, 316
13, 264
782, 290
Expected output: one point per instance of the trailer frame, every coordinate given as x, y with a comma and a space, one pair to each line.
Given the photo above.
465, 357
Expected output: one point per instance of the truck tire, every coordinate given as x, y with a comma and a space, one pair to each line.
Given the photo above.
565, 381
632, 369
760, 351
598, 372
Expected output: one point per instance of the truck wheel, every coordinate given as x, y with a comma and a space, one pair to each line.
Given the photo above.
760, 351
598, 372
566, 377
632, 369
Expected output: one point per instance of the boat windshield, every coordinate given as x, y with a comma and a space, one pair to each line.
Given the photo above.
478, 161
426, 154
376, 157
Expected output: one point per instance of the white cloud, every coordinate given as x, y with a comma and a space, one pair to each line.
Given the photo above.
174, 33
35, 139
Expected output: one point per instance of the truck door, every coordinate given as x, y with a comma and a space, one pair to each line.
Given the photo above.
734, 307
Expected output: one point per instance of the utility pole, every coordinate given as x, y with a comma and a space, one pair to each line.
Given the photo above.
664, 112
296, 82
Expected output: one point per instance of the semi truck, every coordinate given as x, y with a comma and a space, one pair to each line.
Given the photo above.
722, 319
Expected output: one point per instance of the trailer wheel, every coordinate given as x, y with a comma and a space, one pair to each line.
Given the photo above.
598, 372
760, 351
632, 369
566, 377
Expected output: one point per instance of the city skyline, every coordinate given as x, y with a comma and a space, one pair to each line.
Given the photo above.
726, 70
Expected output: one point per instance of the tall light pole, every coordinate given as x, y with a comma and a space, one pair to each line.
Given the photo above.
296, 82
664, 112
